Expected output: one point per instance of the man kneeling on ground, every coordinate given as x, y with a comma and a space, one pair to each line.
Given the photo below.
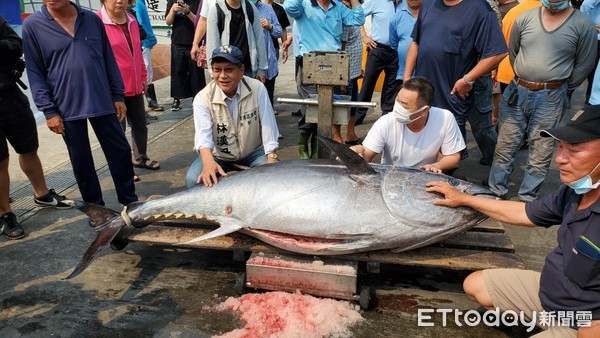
570, 279
234, 121
415, 134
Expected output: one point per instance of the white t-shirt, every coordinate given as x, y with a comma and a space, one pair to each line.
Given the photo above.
401, 146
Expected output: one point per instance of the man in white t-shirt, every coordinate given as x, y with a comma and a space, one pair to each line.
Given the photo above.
415, 134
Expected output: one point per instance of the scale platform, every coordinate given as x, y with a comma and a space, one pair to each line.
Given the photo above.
318, 276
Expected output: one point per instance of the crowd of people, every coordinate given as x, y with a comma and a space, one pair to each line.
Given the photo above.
506, 68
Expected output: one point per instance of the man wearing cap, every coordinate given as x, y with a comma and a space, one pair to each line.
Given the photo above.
234, 121
570, 278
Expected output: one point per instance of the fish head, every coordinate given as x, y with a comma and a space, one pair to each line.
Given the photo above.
468, 187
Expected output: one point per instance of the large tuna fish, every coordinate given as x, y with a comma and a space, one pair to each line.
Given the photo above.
316, 207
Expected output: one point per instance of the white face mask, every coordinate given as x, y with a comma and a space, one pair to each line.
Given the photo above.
402, 115
584, 184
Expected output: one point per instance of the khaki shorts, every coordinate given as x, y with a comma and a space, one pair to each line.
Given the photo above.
518, 290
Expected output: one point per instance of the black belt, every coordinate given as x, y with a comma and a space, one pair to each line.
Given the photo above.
381, 45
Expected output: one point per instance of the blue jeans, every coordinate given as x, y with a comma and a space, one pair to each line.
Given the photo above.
480, 118
255, 159
533, 111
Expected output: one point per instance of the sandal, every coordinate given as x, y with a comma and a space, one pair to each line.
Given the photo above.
147, 164
136, 178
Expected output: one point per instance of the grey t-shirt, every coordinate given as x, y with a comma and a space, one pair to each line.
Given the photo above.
567, 53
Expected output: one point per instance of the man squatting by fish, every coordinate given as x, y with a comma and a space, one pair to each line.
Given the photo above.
569, 280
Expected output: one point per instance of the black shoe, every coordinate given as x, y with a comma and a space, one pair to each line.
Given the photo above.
53, 200
176, 105
297, 113
485, 162
10, 227
151, 117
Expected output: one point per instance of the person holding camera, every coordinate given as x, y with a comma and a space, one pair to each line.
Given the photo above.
187, 78
17, 126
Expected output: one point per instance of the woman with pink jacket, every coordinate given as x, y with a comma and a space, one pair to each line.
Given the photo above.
124, 36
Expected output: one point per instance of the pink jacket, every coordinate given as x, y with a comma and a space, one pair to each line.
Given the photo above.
132, 67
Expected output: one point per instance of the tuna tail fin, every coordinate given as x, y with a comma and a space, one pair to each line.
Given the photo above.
355, 164
107, 224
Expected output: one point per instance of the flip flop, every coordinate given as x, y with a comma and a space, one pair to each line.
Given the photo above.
354, 143
144, 164
136, 178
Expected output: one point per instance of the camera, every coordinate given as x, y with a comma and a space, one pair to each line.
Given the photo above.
180, 3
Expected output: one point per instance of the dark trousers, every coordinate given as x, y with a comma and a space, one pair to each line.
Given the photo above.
187, 79
270, 85
381, 58
304, 91
136, 116
480, 118
110, 135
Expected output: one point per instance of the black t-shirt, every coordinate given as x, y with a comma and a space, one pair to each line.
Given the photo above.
283, 21
237, 34
183, 28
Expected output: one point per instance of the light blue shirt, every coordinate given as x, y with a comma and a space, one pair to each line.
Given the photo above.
266, 12
141, 14
595, 95
401, 27
320, 29
381, 12
592, 10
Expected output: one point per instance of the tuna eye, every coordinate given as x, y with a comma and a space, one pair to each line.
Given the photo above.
453, 181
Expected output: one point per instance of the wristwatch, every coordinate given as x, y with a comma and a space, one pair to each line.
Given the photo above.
469, 82
273, 155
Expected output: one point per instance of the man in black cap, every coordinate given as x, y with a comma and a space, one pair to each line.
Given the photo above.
234, 121
569, 284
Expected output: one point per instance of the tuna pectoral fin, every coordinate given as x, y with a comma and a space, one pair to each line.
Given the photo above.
224, 229
355, 164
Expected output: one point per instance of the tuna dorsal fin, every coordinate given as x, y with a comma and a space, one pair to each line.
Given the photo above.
355, 164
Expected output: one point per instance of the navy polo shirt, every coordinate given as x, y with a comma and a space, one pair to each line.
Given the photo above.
76, 77
557, 292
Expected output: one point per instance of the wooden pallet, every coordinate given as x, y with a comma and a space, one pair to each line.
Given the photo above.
485, 246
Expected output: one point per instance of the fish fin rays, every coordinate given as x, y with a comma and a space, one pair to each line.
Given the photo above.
223, 230
355, 164
98, 214
106, 228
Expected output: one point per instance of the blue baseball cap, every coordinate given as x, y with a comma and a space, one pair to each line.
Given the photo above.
229, 53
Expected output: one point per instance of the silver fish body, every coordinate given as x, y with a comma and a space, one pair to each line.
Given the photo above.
318, 207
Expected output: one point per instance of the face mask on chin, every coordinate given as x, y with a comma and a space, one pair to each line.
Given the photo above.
402, 115
584, 184
555, 7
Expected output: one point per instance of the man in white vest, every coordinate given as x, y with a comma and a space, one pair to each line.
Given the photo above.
234, 121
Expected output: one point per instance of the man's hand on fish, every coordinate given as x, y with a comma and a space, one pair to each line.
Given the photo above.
432, 168
210, 170
452, 197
